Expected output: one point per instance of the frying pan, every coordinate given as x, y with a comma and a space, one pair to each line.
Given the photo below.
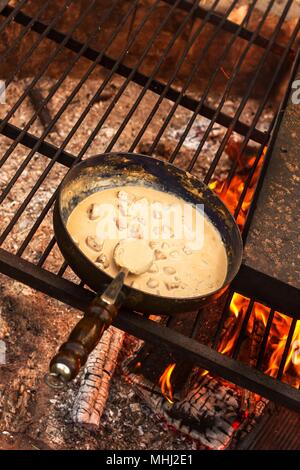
113, 170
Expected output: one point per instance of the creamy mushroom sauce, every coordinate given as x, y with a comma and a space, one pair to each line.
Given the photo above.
181, 267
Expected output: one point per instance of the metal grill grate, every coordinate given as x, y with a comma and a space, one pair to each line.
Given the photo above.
104, 96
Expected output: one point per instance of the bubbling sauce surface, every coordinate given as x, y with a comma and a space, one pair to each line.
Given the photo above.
189, 257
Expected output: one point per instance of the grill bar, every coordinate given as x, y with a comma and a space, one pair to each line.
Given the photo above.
247, 94
286, 349
256, 118
229, 26
185, 86
181, 97
81, 153
28, 55
243, 330
11, 15
225, 94
138, 78
18, 40
48, 248
55, 157
148, 330
29, 140
168, 85
25, 94
265, 340
222, 319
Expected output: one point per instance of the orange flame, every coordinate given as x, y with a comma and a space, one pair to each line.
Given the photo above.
231, 195
276, 345
237, 310
276, 342
239, 304
165, 383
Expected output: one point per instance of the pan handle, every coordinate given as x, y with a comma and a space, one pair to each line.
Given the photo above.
84, 337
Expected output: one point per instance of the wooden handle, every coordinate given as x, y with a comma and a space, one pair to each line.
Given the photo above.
73, 354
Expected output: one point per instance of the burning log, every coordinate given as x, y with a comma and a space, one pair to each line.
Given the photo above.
210, 411
94, 388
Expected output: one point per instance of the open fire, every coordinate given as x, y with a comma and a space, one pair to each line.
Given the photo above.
230, 192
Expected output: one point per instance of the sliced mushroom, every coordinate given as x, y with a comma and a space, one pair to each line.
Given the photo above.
159, 254
102, 261
167, 232
172, 284
187, 250
152, 283
154, 244
169, 270
93, 243
97, 211
174, 254
153, 269
157, 210
123, 207
135, 230
138, 208
121, 223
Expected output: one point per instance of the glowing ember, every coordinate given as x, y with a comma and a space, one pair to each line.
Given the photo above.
165, 383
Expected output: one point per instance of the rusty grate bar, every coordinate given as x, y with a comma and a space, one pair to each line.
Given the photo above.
228, 26
185, 86
177, 97
30, 141
288, 333
139, 78
148, 330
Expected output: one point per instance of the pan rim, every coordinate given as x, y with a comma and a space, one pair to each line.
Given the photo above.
90, 161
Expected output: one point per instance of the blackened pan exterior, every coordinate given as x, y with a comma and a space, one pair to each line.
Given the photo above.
119, 169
